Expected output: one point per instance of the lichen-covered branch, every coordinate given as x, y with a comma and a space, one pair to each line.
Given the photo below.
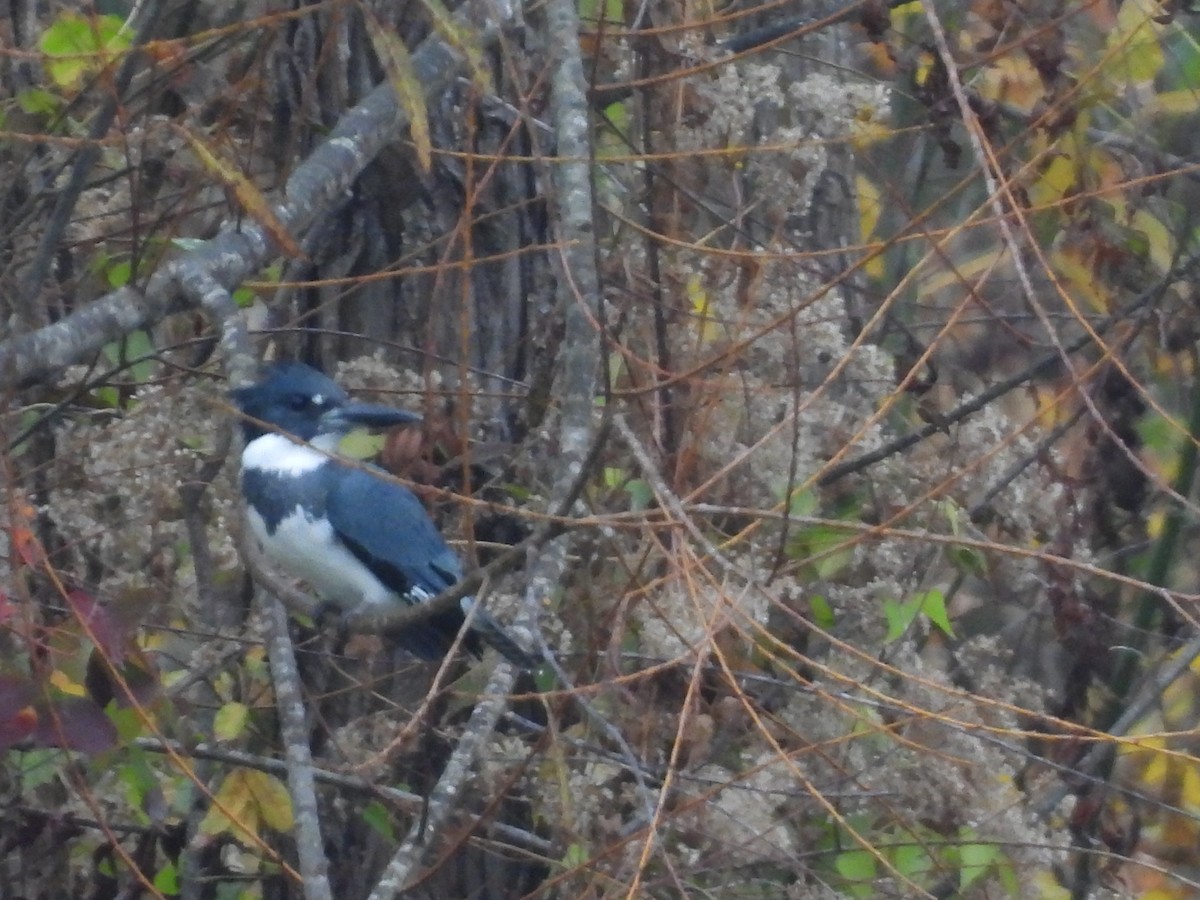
242, 248
289, 701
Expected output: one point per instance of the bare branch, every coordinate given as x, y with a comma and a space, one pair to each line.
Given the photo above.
242, 248
289, 700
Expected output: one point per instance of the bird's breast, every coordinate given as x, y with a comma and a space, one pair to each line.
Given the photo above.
286, 487
305, 547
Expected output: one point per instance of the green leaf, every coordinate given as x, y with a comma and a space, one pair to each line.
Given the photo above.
464, 40
641, 495
517, 491
802, 503
376, 815
822, 612
613, 477
823, 541
968, 560
912, 860
1136, 43
197, 442
230, 721
1008, 877
107, 396
617, 115
166, 879
139, 780
899, 616
34, 767
136, 345
975, 860
953, 513
37, 102
1158, 433
127, 721
933, 605
857, 867
545, 680
117, 275
79, 45
576, 856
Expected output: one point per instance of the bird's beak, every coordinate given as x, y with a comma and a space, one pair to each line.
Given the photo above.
349, 416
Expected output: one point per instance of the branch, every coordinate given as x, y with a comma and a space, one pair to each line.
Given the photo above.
241, 249
579, 298
444, 798
517, 836
293, 725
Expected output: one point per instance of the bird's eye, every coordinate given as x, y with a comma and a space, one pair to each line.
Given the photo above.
299, 402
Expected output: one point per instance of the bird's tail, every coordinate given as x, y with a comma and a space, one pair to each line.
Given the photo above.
495, 636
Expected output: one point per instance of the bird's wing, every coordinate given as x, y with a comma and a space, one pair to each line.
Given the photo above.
385, 526
387, 529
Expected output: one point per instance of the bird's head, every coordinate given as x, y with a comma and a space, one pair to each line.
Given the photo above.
298, 400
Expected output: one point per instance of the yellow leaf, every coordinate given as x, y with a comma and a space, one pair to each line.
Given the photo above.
1051, 409
1079, 278
1155, 523
1048, 887
1055, 182
230, 720
1173, 103
397, 63
1158, 238
698, 297
902, 14
1136, 43
464, 41
924, 68
1189, 790
963, 272
272, 798
1014, 81
246, 800
1156, 769
361, 444
251, 200
868, 130
234, 809
870, 207
64, 683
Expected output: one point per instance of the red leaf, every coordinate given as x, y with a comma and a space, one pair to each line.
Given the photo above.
98, 623
17, 716
77, 724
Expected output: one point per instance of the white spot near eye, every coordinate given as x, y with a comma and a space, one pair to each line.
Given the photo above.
318, 400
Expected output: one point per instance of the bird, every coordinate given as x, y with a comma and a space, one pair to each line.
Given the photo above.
359, 539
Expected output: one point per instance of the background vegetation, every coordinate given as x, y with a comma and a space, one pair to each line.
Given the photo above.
814, 383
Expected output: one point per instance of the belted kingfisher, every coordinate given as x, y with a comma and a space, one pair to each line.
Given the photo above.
355, 537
